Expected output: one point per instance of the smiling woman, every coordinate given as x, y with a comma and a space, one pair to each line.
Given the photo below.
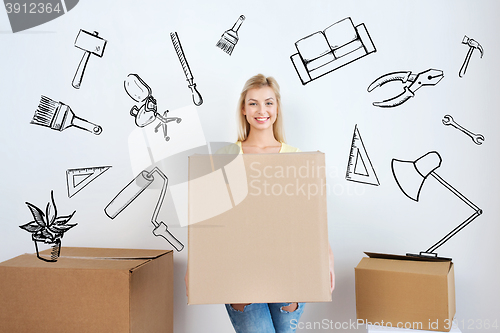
260, 116
260, 130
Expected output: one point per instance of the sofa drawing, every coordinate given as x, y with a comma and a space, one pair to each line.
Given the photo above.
327, 50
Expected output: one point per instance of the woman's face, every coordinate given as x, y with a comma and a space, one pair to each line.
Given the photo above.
260, 108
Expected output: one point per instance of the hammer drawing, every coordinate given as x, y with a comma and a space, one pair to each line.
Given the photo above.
472, 45
91, 44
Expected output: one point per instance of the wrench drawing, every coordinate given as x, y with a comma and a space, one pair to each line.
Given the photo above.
477, 138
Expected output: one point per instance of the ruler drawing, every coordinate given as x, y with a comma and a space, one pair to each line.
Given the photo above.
78, 178
359, 167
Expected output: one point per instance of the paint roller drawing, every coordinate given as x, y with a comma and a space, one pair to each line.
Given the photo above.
130, 192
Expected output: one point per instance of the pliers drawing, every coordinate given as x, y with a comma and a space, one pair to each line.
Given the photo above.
428, 78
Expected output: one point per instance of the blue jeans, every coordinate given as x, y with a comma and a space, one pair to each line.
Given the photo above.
265, 318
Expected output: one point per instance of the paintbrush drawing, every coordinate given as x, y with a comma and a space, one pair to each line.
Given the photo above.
197, 99
230, 37
59, 116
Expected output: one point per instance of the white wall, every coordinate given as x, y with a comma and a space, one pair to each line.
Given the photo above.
321, 116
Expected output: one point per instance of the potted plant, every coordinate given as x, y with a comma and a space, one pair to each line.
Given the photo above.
48, 228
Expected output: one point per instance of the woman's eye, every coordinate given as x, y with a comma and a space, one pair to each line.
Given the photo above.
269, 103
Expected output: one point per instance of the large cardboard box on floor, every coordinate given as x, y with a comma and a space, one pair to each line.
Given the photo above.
407, 292
88, 290
258, 228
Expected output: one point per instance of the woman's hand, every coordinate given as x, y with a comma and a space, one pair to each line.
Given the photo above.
332, 273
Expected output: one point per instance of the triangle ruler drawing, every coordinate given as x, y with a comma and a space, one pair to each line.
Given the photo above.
359, 167
77, 179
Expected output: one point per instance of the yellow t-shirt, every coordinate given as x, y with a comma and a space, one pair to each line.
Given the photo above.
237, 149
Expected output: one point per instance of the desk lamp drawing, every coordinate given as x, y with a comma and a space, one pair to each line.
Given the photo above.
140, 92
410, 177
133, 189
325, 51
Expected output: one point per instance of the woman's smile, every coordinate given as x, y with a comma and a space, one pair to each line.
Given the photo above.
262, 120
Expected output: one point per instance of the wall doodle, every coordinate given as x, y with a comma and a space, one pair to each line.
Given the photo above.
411, 176
132, 190
328, 50
144, 115
77, 179
48, 228
472, 46
59, 116
478, 139
91, 43
197, 99
412, 82
359, 166
229, 38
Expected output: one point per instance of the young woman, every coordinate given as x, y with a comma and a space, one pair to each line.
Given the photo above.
260, 130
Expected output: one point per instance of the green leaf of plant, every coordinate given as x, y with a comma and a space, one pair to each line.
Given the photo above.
31, 227
37, 214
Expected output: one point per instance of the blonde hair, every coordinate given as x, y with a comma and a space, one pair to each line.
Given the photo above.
259, 81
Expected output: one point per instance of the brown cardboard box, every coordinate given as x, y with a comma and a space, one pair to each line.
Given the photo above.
405, 292
88, 290
258, 228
